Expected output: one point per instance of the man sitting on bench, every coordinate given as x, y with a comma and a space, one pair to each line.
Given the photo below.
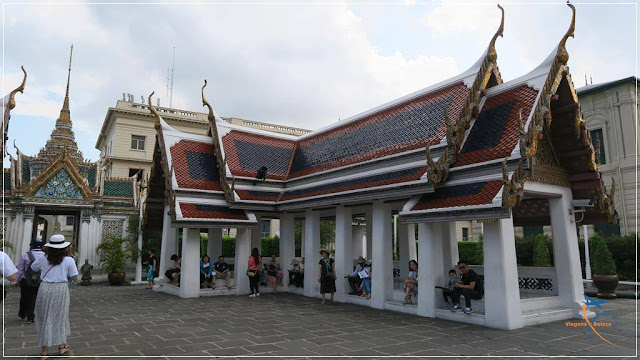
354, 279
470, 286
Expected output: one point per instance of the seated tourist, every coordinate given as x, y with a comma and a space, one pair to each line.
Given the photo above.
296, 276
274, 273
411, 283
221, 271
206, 273
448, 288
173, 274
354, 280
470, 286
365, 275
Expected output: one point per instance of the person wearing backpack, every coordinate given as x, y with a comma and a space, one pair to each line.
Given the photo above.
29, 281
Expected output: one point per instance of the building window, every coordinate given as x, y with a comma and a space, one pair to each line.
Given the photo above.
137, 142
465, 234
597, 133
70, 220
137, 172
265, 228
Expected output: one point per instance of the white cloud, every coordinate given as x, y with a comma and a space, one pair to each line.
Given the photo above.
299, 65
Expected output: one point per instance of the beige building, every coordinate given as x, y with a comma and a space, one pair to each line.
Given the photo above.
610, 110
127, 140
127, 137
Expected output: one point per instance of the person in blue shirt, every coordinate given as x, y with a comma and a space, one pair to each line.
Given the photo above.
221, 271
206, 273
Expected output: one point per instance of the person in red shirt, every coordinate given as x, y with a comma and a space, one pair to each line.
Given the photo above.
255, 264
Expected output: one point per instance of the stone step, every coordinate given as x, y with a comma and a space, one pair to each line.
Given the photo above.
473, 318
539, 303
541, 316
400, 307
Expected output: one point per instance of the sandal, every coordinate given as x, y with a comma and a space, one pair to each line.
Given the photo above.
63, 348
324, 302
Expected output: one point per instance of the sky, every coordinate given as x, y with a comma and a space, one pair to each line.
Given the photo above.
305, 65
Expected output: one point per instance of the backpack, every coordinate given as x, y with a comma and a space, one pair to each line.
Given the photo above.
31, 278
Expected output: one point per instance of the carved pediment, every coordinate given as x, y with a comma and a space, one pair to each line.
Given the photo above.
60, 186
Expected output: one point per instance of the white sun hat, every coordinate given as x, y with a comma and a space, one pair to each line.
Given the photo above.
57, 242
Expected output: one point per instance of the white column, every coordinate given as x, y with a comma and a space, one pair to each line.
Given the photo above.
587, 260
566, 254
95, 236
311, 252
357, 237
190, 269
16, 236
382, 256
344, 258
83, 241
501, 291
256, 237
243, 251
429, 268
413, 250
449, 248
26, 235
11, 229
287, 246
214, 244
139, 260
404, 242
302, 242
369, 237
168, 245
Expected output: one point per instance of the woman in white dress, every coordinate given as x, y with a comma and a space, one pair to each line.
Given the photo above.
52, 304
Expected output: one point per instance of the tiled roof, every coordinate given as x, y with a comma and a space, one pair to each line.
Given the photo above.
394, 177
91, 176
408, 126
121, 188
247, 152
26, 171
195, 165
201, 211
258, 195
7, 181
480, 193
496, 132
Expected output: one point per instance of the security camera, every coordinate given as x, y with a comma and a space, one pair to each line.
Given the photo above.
582, 203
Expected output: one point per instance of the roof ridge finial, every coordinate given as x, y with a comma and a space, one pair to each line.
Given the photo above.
563, 55
154, 112
499, 32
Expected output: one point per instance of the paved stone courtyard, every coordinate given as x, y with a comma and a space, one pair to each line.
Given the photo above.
132, 322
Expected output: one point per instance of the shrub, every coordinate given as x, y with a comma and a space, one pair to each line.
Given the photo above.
601, 260
228, 246
541, 256
270, 246
471, 251
624, 256
524, 251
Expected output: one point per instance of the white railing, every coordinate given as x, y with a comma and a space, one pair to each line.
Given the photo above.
533, 280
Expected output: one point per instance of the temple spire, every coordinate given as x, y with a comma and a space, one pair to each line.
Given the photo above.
65, 114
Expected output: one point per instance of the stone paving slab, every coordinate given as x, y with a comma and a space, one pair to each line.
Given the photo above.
133, 322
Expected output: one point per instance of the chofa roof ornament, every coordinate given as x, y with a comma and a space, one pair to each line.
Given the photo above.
220, 158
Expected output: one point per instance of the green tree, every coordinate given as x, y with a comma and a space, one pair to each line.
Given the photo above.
541, 256
601, 260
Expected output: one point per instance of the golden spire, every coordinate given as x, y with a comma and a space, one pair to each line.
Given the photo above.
65, 114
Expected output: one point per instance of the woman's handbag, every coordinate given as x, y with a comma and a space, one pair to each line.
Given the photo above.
251, 273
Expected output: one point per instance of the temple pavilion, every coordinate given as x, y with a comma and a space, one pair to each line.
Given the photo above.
472, 147
58, 191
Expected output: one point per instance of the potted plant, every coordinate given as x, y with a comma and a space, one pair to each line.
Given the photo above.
605, 277
114, 252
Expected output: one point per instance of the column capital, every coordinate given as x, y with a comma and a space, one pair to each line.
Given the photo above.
85, 215
29, 212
